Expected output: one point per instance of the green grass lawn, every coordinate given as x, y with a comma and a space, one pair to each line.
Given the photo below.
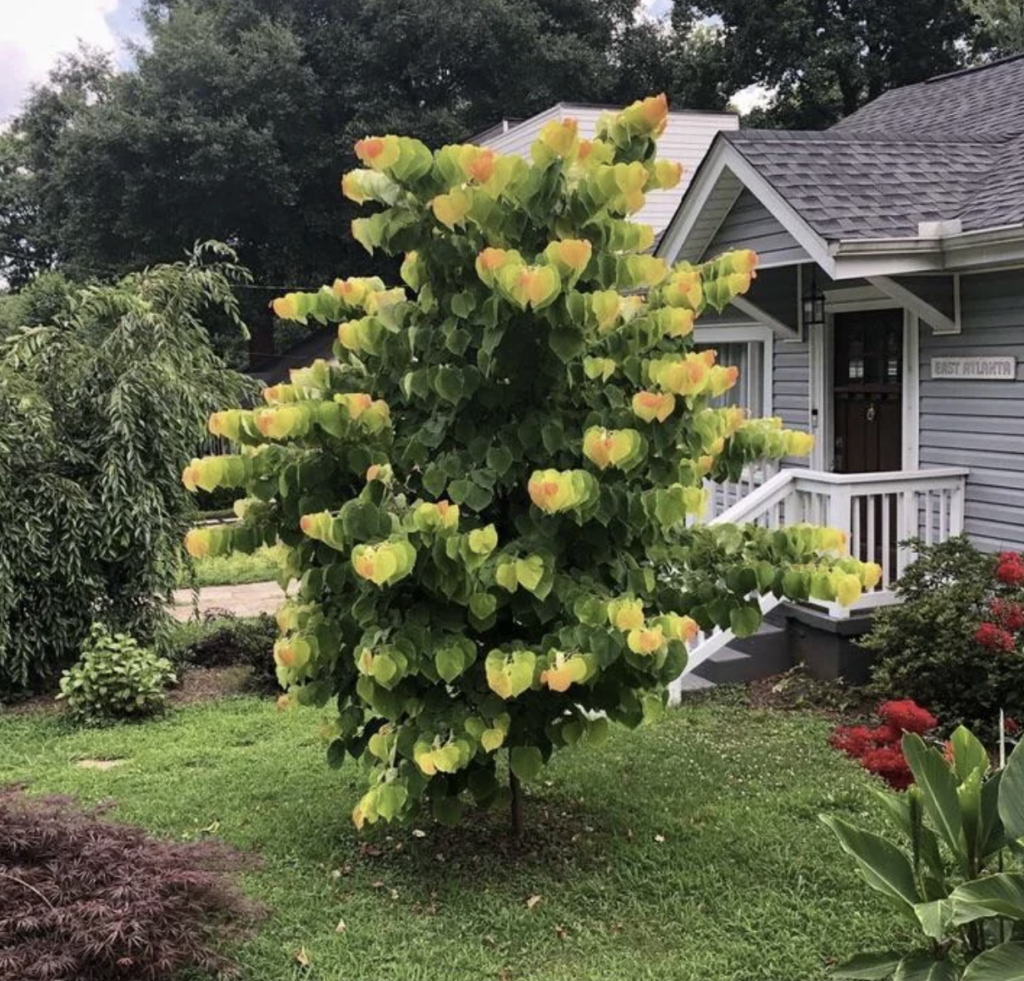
234, 569
686, 850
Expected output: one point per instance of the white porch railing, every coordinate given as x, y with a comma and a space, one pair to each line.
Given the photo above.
876, 510
723, 496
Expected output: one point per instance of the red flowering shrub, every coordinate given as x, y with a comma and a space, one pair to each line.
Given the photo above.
956, 641
888, 763
1008, 614
1010, 569
906, 716
878, 750
82, 899
995, 638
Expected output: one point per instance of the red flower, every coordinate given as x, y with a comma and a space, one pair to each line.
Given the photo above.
1010, 569
995, 638
889, 763
878, 749
886, 734
1009, 615
907, 716
855, 741
1012, 726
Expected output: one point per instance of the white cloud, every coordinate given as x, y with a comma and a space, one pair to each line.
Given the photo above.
33, 33
752, 97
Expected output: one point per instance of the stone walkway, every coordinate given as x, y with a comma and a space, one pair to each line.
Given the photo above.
241, 601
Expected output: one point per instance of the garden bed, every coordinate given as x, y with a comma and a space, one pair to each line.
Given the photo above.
686, 850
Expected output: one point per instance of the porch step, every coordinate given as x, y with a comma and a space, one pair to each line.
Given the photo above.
750, 659
693, 682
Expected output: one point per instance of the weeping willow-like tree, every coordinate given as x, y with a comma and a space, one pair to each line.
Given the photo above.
98, 412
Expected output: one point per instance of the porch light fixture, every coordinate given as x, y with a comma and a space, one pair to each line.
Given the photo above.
813, 302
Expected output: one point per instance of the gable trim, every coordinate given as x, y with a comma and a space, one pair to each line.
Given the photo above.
722, 157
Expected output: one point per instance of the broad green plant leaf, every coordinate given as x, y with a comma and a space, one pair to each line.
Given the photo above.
1002, 963
1011, 794
883, 866
921, 966
934, 917
995, 895
938, 786
968, 753
868, 967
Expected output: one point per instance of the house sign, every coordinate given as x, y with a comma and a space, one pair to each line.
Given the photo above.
975, 369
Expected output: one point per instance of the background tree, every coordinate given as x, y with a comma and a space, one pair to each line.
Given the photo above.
822, 61
1000, 25
44, 300
239, 117
97, 412
485, 501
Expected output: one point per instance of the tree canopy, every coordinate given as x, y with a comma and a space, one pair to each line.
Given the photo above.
822, 61
98, 408
238, 116
238, 119
484, 500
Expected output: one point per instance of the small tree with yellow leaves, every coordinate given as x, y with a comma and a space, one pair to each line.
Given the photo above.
483, 498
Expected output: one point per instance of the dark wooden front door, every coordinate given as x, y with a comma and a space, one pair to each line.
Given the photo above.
868, 387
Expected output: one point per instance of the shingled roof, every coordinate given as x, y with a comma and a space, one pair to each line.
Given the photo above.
948, 148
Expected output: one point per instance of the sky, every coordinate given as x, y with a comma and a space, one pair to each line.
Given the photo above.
33, 33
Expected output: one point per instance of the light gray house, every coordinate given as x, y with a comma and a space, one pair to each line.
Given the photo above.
887, 316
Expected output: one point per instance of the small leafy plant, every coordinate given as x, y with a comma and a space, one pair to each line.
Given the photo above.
952, 872
115, 679
954, 644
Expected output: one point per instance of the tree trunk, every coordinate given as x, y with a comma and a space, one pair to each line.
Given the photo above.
261, 340
518, 824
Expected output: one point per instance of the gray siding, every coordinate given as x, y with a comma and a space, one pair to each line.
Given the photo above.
980, 424
749, 225
791, 383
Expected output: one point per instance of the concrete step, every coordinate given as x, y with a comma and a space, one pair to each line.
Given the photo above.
750, 659
694, 682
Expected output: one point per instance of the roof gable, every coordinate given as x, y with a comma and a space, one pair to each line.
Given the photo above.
919, 177
750, 225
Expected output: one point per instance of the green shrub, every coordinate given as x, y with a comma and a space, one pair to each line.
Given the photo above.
115, 679
231, 641
262, 565
98, 411
925, 648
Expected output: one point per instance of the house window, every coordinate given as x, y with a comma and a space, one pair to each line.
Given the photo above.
748, 392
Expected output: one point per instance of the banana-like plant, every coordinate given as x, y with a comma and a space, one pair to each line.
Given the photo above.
479, 496
955, 872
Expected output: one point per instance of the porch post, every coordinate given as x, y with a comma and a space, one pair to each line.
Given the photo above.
839, 504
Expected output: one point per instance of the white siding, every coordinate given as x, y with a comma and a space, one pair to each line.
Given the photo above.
686, 139
980, 424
